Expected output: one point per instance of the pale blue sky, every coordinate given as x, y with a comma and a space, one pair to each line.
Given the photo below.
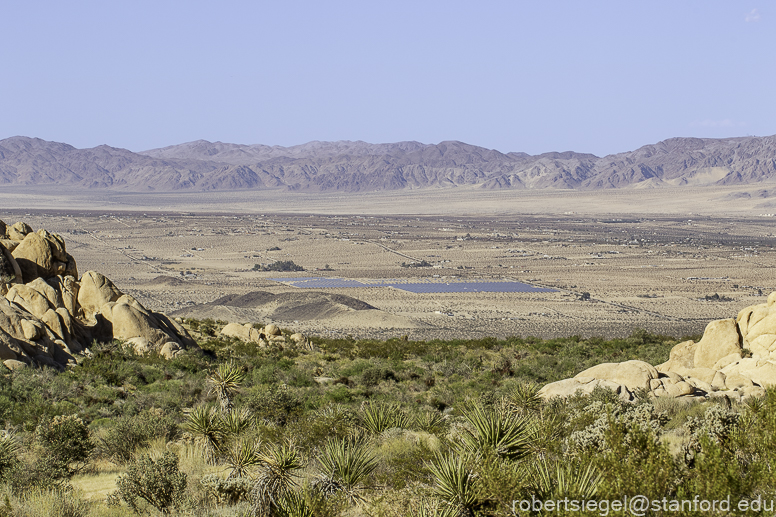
588, 76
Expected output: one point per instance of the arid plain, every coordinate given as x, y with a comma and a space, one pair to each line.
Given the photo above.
643, 268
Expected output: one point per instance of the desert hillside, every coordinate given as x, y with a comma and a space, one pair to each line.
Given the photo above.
362, 167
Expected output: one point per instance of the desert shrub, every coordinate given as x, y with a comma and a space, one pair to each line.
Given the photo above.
633, 461
227, 490
331, 421
66, 440
373, 376
280, 265
159, 483
272, 403
626, 417
37, 470
119, 441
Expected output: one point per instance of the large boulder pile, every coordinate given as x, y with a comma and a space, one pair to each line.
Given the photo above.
48, 315
735, 358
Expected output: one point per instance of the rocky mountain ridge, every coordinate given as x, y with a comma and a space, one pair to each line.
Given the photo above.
358, 166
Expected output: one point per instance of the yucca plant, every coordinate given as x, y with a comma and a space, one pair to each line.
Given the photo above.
430, 422
237, 421
225, 382
294, 504
454, 484
280, 465
344, 466
205, 423
503, 433
523, 398
378, 417
242, 456
544, 431
565, 479
9, 450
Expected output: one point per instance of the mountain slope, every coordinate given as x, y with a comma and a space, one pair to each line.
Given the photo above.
359, 166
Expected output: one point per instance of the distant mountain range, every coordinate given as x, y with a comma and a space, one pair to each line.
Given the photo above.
359, 166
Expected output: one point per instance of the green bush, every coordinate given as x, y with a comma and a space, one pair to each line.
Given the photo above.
120, 440
274, 404
66, 440
227, 490
159, 483
373, 376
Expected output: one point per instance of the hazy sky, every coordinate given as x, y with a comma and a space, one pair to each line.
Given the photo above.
538, 76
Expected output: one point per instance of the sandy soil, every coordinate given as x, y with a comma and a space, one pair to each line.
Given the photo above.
642, 270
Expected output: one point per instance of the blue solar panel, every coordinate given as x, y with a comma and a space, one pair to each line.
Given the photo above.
414, 287
472, 287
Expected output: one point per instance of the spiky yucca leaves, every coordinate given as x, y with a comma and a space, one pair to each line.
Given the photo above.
523, 398
454, 484
344, 466
545, 432
242, 456
430, 421
225, 382
294, 504
279, 466
378, 417
237, 421
561, 479
9, 449
496, 431
205, 423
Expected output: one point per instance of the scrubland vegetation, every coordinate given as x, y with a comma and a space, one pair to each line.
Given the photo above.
358, 427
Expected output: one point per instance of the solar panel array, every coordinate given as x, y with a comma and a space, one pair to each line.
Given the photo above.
473, 287
414, 287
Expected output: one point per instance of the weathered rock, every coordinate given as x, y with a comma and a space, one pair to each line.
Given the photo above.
13, 364
682, 355
727, 360
129, 322
705, 375
237, 330
67, 289
170, 350
271, 330
3, 230
18, 231
140, 345
34, 257
719, 340
632, 374
29, 299
679, 389
585, 386
95, 291
31, 329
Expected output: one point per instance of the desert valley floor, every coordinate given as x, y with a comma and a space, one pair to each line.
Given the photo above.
668, 274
